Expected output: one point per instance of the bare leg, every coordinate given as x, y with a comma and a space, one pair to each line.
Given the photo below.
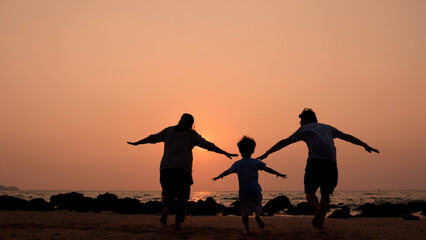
325, 201
260, 222
181, 204
166, 201
246, 223
164, 215
322, 211
313, 200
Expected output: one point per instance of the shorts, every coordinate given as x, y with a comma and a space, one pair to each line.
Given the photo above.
175, 183
250, 204
320, 173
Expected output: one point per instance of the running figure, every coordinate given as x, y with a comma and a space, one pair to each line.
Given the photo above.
321, 167
176, 164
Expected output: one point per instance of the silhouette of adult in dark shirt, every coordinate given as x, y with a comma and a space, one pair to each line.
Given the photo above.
176, 164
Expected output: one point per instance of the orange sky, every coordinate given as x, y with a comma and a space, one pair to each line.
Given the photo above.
80, 78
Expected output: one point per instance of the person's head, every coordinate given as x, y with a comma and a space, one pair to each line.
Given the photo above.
246, 146
307, 116
185, 122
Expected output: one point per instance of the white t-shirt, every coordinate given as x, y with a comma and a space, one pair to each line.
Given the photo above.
319, 138
248, 178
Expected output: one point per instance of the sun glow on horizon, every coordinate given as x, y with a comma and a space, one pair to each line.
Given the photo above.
195, 196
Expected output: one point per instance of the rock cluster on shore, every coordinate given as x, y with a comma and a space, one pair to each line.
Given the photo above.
109, 202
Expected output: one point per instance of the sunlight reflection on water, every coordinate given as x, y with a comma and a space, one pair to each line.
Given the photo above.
195, 196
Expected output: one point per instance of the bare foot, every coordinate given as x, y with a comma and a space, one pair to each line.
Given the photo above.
321, 218
260, 222
318, 220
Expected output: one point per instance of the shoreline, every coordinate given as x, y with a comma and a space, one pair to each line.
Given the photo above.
63, 224
280, 205
349, 198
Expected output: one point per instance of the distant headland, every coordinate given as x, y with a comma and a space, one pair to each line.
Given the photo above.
3, 188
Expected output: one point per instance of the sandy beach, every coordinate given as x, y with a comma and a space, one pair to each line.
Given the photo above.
108, 225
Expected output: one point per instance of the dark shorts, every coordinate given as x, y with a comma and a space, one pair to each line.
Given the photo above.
175, 181
252, 203
321, 174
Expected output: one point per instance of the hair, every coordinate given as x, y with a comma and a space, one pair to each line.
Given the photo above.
187, 124
246, 145
188, 118
308, 116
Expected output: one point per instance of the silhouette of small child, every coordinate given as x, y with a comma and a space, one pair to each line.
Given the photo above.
250, 192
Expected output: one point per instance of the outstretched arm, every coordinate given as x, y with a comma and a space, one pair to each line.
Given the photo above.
143, 141
153, 138
272, 171
203, 143
225, 173
220, 151
356, 141
278, 146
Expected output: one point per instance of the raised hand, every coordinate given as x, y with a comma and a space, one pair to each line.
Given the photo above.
216, 178
370, 149
263, 157
282, 175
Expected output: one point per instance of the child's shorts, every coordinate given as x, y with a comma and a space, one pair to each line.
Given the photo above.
250, 204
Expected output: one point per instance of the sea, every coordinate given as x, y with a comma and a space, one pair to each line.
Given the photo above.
352, 199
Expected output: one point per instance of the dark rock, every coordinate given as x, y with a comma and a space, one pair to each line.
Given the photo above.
13, 203
416, 206
208, 207
277, 204
234, 209
128, 205
210, 203
152, 207
196, 208
383, 210
85, 205
189, 209
66, 201
106, 202
410, 217
236, 203
344, 212
39, 204
302, 208
72, 201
